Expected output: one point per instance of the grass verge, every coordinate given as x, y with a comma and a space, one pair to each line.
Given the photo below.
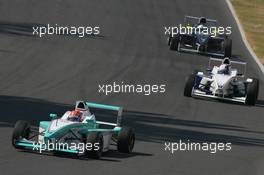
251, 16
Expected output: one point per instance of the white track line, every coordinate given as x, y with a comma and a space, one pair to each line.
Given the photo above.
242, 32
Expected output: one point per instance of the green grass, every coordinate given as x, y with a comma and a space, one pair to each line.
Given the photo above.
251, 16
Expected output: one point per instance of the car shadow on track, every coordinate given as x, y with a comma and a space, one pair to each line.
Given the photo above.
26, 29
157, 128
260, 103
109, 156
202, 55
19, 29
149, 127
115, 154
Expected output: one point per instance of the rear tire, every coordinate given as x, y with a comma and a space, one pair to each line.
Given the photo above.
126, 140
174, 42
21, 130
169, 40
228, 48
252, 92
95, 138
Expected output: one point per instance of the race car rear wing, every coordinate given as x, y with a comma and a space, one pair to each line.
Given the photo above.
193, 19
108, 107
239, 65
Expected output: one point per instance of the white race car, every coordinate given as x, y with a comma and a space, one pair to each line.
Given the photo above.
223, 82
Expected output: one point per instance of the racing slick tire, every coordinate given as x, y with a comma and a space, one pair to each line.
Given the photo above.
174, 42
169, 40
126, 140
96, 140
189, 84
21, 130
252, 92
228, 48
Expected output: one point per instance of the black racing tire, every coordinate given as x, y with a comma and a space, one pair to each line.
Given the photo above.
169, 40
126, 140
21, 130
189, 84
252, 92
174, 42
228, 48
96, 139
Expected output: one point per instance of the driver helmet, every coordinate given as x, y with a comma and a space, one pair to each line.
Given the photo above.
75, 116
225, 66
226, 61
202, 20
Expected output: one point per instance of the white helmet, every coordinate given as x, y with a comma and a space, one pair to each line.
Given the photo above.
224, 68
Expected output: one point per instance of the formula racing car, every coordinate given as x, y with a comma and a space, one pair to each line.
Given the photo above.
223, 82
75, 132
201, 35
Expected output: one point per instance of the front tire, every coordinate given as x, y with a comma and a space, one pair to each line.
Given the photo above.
228, 48
252, 92
21, 130
126, 140
174, 42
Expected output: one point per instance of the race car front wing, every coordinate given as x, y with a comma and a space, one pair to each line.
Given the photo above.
198, 93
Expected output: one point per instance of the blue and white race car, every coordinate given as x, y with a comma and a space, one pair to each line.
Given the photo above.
223, 81
201, 35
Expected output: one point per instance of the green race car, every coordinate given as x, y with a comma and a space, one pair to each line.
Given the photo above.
75, 132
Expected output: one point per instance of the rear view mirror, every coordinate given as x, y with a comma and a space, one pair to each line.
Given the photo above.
208, 70
53, 116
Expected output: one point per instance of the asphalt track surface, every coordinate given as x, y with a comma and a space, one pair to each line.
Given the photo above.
43, 75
